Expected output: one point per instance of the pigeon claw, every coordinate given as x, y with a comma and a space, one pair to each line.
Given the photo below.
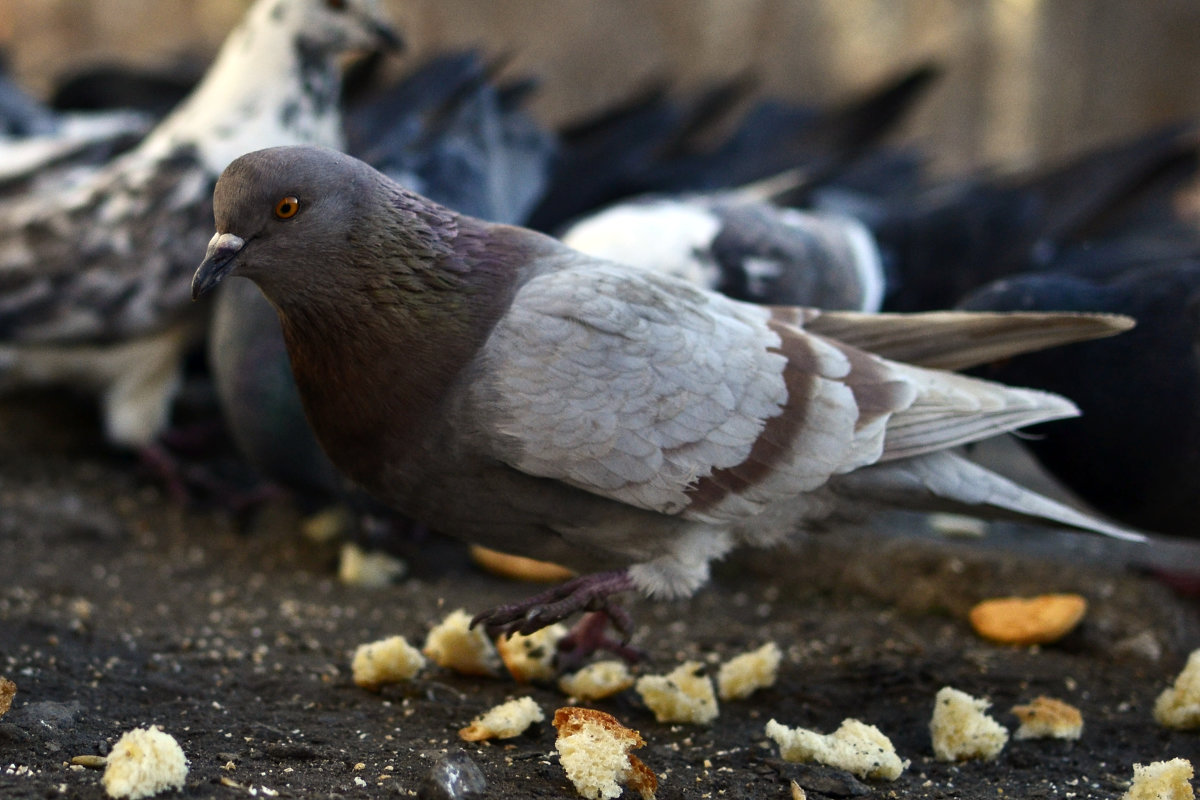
585, 593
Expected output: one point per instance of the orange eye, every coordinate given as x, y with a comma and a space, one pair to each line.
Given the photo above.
287, 207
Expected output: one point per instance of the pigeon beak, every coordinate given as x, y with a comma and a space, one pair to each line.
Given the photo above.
218, 262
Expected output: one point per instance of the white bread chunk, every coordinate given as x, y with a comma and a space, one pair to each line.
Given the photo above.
1046, 718
741, 676
531, 657
1179, 706
390, 660
682, 695
961, 730
144, 762
856, 747
597, 680
1161, 780
503, 721
593, 749
455, 645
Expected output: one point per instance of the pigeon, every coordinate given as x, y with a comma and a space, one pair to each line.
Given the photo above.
94, 273
1135, 452
500, 387
448, 131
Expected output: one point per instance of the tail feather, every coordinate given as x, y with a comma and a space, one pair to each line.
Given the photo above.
946, 481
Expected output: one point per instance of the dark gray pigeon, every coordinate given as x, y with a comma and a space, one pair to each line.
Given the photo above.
495, 384
94, 272
449, 131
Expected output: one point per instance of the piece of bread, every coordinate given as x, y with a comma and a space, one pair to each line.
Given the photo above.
961, 730
593, 748
519, 568
503, 721
741, 676
597, 680
856, 747
1179, 705
1028, 620
683, 695
531, 658
1161, 780
8, 690
455, 645
1046, 718
144, 762
391, 660
369, 569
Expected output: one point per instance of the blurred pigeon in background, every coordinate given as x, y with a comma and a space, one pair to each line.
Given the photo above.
94, 273
1135, 452
501, 387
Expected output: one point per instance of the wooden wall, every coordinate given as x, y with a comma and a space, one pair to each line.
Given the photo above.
1027, 80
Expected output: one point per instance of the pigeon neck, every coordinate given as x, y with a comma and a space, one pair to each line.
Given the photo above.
268, 86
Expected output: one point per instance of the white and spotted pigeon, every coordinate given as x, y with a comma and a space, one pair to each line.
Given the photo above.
95, 271
503, 388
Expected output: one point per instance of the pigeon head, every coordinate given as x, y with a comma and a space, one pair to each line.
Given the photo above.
337, 25
281, 208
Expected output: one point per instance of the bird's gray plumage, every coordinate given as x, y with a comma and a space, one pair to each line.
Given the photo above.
501, 387
100, 263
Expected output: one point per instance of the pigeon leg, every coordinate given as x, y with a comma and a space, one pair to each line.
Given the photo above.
585, 593
588, 636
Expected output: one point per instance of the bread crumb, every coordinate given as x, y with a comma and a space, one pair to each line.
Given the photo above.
1028, 620
369, 569
503, 721
1047, 718
531, 657
961, 730
797, 792
144, 762
519, 568
455, 645
391, 660
741, 676
682, 695
593, 749
8, 690
1179, 705
856, 747
597, 680
1161, 780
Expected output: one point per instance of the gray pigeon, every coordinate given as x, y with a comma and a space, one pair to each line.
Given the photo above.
495, 384
94, 271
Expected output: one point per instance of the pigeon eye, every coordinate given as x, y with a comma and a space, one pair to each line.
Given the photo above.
287, 207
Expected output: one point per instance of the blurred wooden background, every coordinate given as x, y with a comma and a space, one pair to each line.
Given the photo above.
1027, 80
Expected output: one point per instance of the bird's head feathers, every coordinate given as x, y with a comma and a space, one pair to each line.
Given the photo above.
336, 25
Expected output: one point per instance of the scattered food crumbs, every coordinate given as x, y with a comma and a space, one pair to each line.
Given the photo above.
1028, 620
593, 749
144, 762
531, 657
391, 660
856, 747
683, 695
326, 525
797, 792
455, 645
597, 680
743, 675
89, 761
368, 570
1161, 780
961, 730
504, 721
1046, 718
1179, 705
519, 568
8, 690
